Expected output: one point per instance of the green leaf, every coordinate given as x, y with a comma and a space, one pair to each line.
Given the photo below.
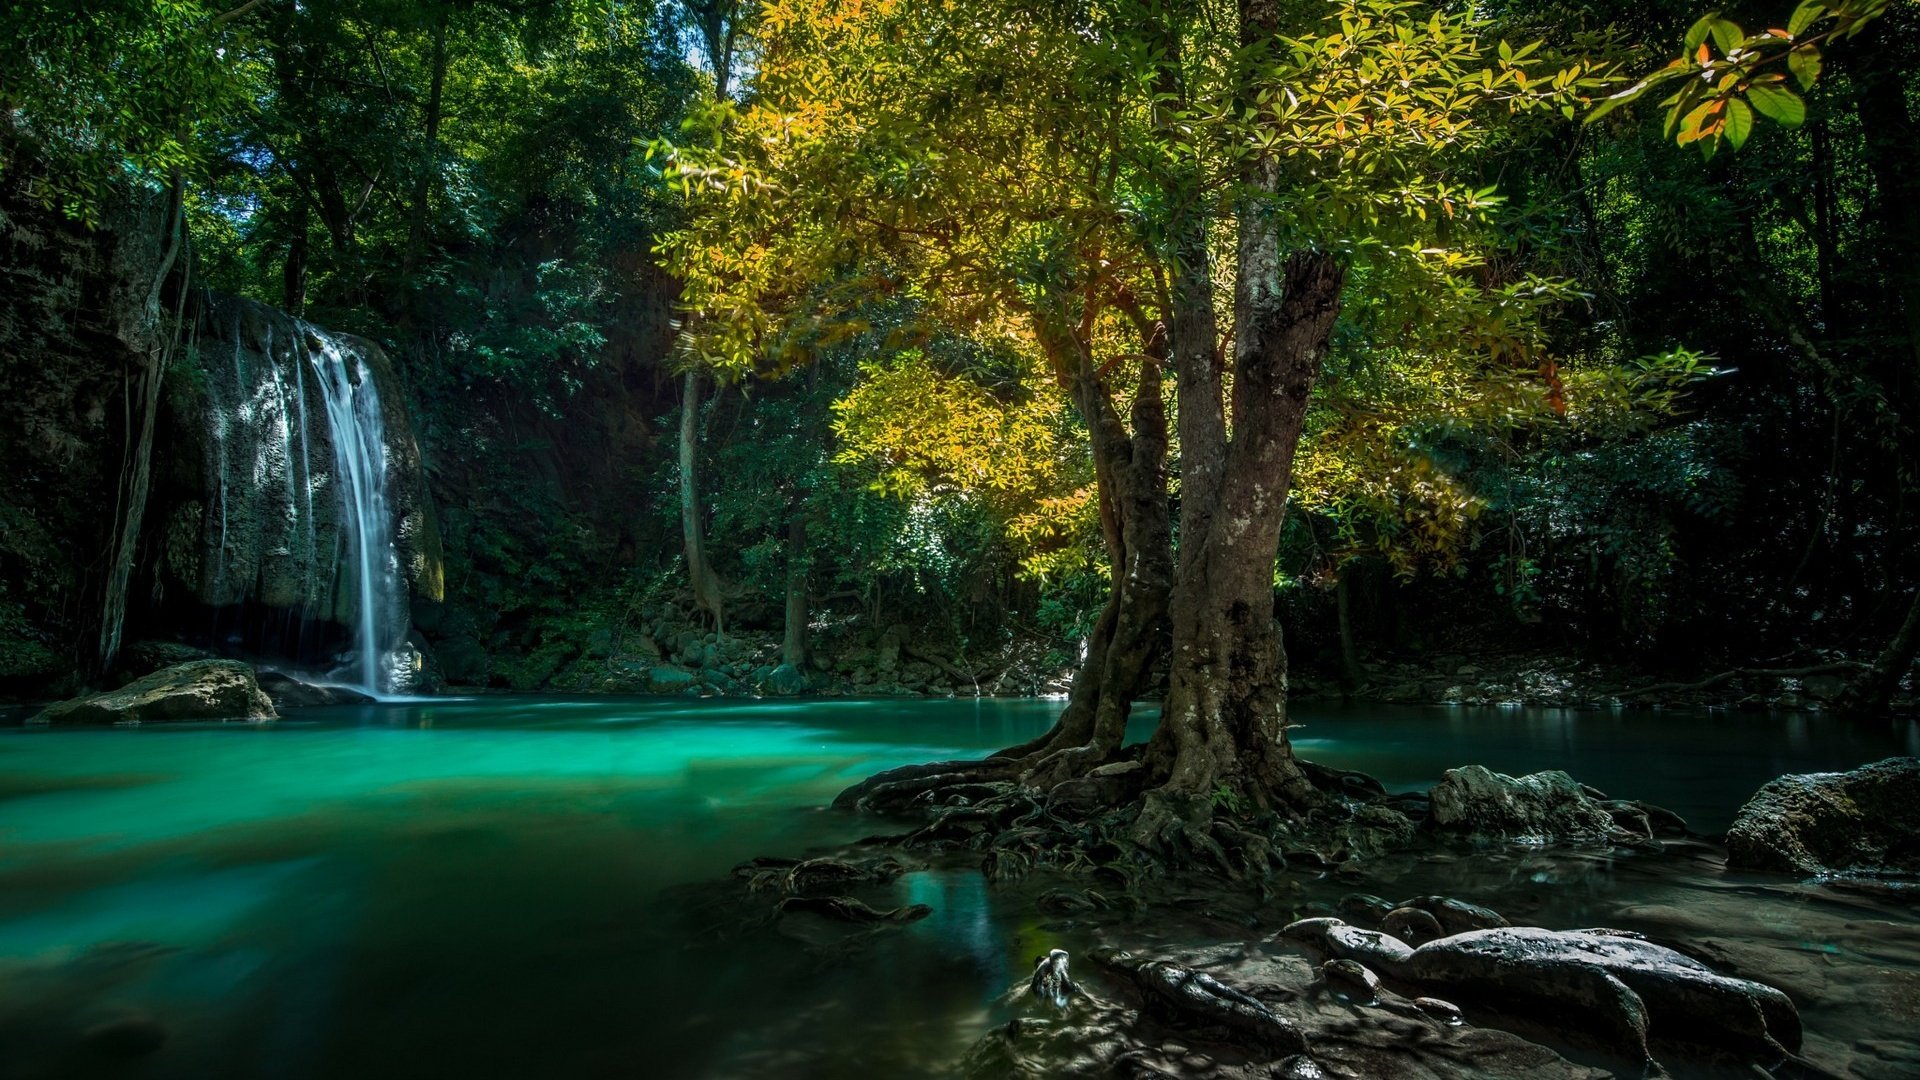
1781, 106
1805, 64
1698, 32
1739, 123
1804, 16
1727, 34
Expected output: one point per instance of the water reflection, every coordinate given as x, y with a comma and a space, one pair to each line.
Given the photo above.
491, 887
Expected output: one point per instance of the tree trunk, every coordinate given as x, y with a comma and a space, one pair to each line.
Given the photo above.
1892, 140
1350, 666
429, 164
1224, 723
1872, 690
700, 576
1131, 633
138, 473
717, 19
793, 645
293, 275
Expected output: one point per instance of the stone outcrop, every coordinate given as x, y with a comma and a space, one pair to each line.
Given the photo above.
200, 690
256, 448
1543, 807
1862, 822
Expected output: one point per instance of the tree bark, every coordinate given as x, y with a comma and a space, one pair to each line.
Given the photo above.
793, 645
429, 163
700, 576
293, 275
1224, 722
1350, 665
1872, 690
1131, 633
138, 473
1891, 141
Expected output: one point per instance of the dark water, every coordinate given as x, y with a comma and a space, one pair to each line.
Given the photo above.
495, 887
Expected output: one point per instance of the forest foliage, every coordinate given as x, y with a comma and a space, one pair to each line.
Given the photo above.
1569, 348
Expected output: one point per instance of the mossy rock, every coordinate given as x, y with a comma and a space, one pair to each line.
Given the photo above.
200, 690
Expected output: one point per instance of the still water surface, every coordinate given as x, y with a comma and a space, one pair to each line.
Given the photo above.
492, 887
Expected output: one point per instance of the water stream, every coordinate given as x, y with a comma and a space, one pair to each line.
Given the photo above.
519, 886
360, 471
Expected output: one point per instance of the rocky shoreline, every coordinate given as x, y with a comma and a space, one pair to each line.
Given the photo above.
749, 665
1192, 970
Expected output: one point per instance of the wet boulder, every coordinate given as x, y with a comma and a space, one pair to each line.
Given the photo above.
785, 681
200, 690
1349, 979
287, 692
1544, 807
1412, 925
669, 680
1456, 916
1862, 822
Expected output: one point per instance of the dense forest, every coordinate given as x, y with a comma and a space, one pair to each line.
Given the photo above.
1588, 394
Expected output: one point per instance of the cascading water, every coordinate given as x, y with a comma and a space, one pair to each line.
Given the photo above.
297, 545
360, 471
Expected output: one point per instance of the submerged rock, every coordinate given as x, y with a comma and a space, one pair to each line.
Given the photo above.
1866, 821
200, 690
669, 680
1544, 807
1610, 986
785, 681
848, 910
287, 692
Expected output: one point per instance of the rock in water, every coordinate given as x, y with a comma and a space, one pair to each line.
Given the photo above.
669, 680
1411, 925
1864, 821
287, 692
201, 690
785, 681
1544, 807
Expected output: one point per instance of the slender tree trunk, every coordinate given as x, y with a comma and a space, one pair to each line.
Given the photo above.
1350, 665
700, 576
1892, 139
717, 21
430, 161
138, 473
1131, 634
793, 646
293, 276
1872, 690
1826, 252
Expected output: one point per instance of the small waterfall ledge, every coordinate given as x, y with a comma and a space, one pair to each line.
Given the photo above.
312, 534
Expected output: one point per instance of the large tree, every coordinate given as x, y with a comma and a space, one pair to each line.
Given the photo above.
1115, 184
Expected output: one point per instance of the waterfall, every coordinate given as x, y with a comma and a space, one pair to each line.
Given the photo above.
359, 439
305, 501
